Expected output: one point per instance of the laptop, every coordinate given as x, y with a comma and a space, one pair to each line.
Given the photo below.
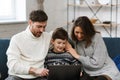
64, 72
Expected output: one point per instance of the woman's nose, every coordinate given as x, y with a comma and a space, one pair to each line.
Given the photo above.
79, 35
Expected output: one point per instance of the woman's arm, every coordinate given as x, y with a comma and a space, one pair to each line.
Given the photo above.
72, 51
98, 56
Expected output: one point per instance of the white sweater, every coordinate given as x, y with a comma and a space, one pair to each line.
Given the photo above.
27, 51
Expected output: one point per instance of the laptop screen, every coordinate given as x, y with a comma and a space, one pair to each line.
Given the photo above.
64, 72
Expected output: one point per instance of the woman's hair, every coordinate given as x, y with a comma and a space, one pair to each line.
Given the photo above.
60, 33
87, 27
38, 16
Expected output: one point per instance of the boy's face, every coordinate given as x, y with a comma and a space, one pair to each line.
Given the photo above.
58, 45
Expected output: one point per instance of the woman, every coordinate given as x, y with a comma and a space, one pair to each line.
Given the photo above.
90, 49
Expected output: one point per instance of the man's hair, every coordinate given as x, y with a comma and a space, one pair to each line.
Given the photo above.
60, 33
38, 16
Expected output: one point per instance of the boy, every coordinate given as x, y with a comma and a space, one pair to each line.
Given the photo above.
57, 54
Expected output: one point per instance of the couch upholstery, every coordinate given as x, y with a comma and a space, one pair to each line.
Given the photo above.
112, 44
3, 58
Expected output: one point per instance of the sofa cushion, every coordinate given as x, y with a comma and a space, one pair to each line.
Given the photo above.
117, 61
3, 58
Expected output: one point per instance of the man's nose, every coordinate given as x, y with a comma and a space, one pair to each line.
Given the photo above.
42, 30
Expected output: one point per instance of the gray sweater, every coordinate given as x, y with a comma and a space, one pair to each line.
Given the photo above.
95, 58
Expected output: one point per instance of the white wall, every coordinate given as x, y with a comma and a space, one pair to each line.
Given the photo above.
8, 30
57, 13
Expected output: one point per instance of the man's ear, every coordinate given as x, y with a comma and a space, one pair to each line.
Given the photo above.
30, 22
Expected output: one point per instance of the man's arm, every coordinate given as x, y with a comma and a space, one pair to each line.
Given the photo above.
13, 55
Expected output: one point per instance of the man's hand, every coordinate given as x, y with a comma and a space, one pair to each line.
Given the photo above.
39, 72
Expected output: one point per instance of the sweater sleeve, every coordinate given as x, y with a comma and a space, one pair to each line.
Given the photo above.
99, 55
13, 56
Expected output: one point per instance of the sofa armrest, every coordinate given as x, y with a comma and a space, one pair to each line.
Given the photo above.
4, 43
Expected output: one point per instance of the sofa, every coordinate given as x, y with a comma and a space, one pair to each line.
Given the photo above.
112, 44
3, 58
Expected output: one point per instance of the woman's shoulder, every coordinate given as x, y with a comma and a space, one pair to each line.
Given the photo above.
97, 36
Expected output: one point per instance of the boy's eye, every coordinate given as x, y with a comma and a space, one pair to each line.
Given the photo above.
59, 42
64, 43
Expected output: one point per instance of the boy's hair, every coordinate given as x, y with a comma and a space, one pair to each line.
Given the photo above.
60, 33
38, 16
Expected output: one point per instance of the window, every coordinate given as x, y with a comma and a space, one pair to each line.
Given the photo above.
12, 11
6, 9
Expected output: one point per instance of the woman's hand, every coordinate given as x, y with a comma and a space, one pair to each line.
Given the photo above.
73, 53
68, 45
71, 50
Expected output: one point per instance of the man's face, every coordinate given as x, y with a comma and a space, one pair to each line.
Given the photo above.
37, 28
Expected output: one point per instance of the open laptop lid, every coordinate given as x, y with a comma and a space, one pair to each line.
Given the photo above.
64, 72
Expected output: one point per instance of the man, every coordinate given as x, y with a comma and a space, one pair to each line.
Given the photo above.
28, 49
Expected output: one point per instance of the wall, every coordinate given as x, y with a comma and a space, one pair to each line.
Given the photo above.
103, 13
8, 30
57, 13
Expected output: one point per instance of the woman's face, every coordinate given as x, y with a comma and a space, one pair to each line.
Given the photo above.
78, 33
